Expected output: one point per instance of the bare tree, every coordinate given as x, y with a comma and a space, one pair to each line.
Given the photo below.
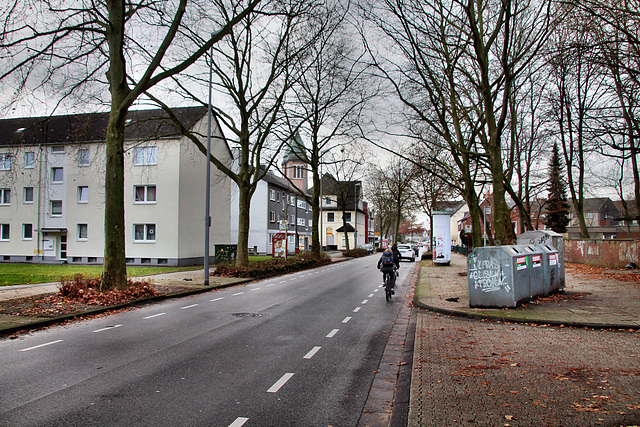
50, 43
454, 65
579, 86
327, 99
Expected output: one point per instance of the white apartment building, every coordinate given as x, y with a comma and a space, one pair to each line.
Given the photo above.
52, 190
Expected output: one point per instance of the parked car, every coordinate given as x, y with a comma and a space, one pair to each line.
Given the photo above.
406, 252
368, 247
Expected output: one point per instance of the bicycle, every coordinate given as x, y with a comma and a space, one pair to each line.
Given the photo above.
389, 283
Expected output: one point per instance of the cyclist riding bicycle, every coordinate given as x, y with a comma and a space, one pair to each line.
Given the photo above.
388, 264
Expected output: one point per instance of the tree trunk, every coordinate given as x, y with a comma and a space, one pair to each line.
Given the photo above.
344, 227
114, 269
315, 206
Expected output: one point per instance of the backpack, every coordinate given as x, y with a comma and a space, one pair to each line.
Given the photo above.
387, 258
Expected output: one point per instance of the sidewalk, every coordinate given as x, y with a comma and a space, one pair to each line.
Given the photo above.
508, 369
603, 303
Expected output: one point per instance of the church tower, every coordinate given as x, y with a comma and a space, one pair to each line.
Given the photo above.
294, 168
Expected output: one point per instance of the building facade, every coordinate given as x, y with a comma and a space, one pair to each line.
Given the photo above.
53, 193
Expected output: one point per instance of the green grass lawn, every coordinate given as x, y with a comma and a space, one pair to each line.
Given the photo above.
22, 274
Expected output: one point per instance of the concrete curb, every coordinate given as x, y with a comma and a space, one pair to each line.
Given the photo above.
541, 322
144, 301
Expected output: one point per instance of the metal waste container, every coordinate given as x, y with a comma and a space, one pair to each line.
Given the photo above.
498, 276
536, 272
551, 269
225, 253
553, 239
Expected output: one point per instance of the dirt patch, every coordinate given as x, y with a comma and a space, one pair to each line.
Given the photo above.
55, 304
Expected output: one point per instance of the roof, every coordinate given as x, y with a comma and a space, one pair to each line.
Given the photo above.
92, 127
295, 150
451, 205
631, 208
350, 229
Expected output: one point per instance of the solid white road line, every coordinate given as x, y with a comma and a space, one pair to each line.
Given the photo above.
312, 353
332, 333
239, 422
189, 306
346, 319
107, 328
154, 315
282, 381
41, 345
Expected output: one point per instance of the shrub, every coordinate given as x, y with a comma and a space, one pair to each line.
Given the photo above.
272, 267
87, 290
355, 253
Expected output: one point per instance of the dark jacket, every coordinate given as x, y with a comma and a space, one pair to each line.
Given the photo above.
396, 255
388, 268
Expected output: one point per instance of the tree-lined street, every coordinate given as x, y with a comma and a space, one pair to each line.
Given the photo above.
300, 349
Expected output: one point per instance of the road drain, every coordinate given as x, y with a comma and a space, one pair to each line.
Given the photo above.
247, 314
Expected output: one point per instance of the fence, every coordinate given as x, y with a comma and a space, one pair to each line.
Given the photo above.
603, 253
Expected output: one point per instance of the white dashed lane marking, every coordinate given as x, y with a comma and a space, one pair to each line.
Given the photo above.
333, 333
282, 381
312, 353
154, 315
41, 345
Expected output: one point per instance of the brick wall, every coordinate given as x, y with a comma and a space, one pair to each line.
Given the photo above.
604, 253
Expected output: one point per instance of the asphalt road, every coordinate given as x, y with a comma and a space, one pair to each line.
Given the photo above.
297, 350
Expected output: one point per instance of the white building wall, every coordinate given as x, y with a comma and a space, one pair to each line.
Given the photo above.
178, 212
90, 213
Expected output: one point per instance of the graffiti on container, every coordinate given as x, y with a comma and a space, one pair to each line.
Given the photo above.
487, 275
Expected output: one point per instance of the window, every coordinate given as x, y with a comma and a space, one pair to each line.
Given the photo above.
57, 149
83, 194
327, 201
56, 175
144, 194
298, 172
302, 204
82, 232
83, 157
272, 195
27, 231
347, 216
145, 156
272, 216
29, 159
28, 194
301, 222
5, 233
330, 216
56, 207
144, 232
5, 196
5, 162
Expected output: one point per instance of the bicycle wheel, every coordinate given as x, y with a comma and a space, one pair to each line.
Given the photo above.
387, 287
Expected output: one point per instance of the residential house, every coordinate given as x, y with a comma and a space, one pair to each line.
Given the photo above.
52, 188
601, 217
274, 205
627, 220
343, 200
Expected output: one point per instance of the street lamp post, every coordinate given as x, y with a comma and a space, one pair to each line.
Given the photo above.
207, 202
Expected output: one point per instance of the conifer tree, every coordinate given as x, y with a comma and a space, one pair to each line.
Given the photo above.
557, 217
